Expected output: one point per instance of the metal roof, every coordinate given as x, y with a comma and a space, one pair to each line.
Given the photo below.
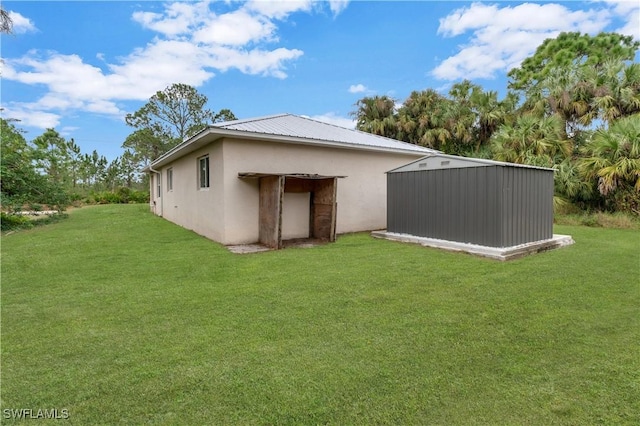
306, 128
439, 161
289, 128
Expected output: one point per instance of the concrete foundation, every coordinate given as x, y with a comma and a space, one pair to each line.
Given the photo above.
499, 253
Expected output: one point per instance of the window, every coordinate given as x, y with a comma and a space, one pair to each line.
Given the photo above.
158, 181
203, 171
169, 179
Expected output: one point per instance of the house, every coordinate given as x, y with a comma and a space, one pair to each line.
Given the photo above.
497, 209
275, 178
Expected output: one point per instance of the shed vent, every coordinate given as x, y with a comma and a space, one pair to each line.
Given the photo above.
422, 165
444, 163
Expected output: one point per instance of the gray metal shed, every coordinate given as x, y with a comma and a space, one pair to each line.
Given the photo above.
470, 200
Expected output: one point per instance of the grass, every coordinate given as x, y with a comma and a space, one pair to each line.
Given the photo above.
121, 317
617, 220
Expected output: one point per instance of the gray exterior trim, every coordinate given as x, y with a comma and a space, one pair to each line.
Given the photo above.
438, 161
492, 205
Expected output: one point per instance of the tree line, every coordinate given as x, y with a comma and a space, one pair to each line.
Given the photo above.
51, 170
574, 105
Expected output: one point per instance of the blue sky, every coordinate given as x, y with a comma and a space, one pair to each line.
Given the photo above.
80, 67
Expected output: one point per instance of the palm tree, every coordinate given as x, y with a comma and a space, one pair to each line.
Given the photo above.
531, 140
376, 115
490, 114
570, 184
6, 23
461, 119
612, 157
566, 97
615, 89
422, 119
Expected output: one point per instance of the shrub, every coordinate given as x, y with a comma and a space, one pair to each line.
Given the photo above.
14, 222
122, 195
11, 222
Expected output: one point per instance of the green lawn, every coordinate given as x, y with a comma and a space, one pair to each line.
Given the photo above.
121, 317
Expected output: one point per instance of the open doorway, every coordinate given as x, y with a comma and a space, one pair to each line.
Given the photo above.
321, 213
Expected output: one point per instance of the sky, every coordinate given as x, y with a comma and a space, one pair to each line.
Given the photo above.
80, 66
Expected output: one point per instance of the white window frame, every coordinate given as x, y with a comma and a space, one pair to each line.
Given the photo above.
204, 182
170, 179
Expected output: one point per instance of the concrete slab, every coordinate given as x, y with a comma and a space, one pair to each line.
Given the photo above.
257, 248
499, 253
247, 248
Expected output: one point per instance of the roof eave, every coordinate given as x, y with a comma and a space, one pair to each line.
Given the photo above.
202, 138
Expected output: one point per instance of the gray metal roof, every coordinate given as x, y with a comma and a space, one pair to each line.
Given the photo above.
296, 126
439, 161
289, 128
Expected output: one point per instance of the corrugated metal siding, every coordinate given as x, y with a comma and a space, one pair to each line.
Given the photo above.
456, 204
494, 206
527, 206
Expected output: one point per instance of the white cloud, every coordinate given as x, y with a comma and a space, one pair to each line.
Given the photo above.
192, 43
21, 24
157, 65
177, 18
254, 62
357, 88
30, 116
336, 120
279, 9
337, 6
504, 36
236, 29
629, 12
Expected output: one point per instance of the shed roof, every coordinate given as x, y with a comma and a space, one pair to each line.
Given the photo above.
289, 128
439, 161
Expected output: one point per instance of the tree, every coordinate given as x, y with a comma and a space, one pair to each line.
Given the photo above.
53, 157
570, 184
531, 140
490, 114
614, 89
376, 115
75, 156
6, 23
224, 115
569, 50
421, 119
459, 124
145, 146
578, 78
566, 73
129, 168
612, 158
20, 180
168, 118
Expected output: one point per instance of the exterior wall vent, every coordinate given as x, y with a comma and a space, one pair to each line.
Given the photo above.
422, 165
444, 163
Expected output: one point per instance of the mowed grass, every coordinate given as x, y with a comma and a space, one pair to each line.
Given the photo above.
121, 317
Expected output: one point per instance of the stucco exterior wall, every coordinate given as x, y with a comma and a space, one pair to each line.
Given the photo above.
361, 196
227, 212
201, 210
